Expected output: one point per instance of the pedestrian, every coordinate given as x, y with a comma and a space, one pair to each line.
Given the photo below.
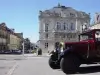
40, 51
61, 46
37, 51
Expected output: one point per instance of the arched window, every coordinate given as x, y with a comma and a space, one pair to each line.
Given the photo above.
58, 26
72, 26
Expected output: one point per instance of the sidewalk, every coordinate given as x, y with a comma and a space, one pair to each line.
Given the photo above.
11, 57
35, 55
21, 57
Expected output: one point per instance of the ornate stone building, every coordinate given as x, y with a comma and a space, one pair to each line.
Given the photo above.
9, 40
3, 37
60, 24
96, 22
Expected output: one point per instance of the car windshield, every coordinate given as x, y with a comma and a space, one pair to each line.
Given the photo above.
85, 36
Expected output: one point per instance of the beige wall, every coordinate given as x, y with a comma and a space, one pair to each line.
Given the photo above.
3, 33
14, 42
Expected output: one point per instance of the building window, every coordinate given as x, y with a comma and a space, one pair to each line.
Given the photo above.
46, 35
71, 14
58, 26
69, 35
64, 36
74, 36
72, 27
46, 45
56, 35
64, 26
46, 27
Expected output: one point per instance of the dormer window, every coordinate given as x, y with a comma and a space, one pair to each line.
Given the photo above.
71, 14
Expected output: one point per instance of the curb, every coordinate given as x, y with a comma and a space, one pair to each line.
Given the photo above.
14, 59
38, 56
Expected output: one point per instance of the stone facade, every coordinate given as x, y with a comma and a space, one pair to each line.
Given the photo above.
96, 22
9, 40
97, 18
60, 24
3, 36
15, 42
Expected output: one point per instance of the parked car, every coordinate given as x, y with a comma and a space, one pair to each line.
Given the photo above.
16, 51
86, 51
5, 52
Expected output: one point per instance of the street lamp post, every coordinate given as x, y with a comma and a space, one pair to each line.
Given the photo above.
23, 48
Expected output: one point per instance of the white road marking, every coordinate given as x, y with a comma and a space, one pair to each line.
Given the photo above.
10, 72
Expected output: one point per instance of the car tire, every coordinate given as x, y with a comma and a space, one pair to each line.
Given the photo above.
70, 64
52, 63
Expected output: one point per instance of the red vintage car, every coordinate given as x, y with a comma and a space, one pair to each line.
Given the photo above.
86, 51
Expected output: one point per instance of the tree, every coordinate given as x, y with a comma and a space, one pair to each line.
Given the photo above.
27, 43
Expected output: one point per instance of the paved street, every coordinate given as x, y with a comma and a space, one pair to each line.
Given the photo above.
5, 66
8, 63
39, 66
33, 65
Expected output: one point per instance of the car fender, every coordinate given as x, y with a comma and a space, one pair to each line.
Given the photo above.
66, 52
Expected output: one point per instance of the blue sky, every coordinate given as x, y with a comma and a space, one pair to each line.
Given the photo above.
22, 15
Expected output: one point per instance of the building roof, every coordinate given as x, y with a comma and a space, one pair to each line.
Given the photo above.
3, 25
11, 31
19, 35
58, 10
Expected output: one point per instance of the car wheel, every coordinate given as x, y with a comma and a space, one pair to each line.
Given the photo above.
52, 63
70, 64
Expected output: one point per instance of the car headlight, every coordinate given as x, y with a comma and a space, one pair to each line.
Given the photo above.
61, 50
54, 50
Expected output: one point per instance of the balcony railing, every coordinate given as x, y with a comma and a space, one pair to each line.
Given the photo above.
66, 31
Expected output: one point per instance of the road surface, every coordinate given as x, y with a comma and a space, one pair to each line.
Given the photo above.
33, 65
39, 66
8, 62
